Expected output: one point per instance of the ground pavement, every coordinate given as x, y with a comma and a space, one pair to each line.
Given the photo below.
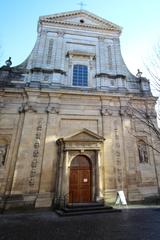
130, 224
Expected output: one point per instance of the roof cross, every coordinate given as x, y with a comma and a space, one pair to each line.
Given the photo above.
81, 4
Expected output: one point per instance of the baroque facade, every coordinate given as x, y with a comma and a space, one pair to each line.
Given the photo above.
65, 129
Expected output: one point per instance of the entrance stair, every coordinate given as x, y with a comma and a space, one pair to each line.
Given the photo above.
85, 208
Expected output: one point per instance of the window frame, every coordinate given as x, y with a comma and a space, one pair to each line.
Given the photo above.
80, 81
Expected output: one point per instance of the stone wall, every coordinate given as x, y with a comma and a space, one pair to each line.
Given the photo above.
32, 120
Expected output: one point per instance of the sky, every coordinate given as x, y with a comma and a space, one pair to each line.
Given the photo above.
139, 19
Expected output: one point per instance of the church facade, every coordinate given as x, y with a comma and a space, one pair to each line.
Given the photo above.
65, 130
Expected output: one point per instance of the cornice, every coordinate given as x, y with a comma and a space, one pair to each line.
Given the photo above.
88, 26
72, 91
83, 31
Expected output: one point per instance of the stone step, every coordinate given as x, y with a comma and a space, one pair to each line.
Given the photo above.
85, 205
84, 212
82, 209
88, 208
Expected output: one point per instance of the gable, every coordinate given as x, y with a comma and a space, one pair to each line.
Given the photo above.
81, 18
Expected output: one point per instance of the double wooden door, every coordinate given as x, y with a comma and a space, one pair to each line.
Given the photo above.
80, 180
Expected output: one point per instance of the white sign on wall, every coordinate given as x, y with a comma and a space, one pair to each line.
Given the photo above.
120, 199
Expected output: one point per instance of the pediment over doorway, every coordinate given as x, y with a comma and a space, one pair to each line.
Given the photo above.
83, 135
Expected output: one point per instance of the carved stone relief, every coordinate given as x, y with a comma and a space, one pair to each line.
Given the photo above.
60, 34
125, 111
118, 165
36, 146
52, 109
82, 146
106, 111
27, 107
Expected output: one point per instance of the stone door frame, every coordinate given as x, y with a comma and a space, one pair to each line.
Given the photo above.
68, 149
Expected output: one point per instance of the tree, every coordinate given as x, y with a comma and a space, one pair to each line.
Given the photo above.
153, 67
146, 114
147, 118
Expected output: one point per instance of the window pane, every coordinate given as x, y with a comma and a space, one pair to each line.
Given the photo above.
80, 75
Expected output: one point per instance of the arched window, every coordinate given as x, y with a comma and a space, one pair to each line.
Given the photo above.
142, 151
80, 75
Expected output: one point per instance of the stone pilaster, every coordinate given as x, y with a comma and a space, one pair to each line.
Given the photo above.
39, 51
131, 169
49, 169
102, 57
60, 57
29, 159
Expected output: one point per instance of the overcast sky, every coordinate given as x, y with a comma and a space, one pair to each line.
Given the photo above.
140, 20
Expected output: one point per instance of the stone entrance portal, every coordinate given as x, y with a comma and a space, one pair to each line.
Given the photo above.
80, 180
80, 174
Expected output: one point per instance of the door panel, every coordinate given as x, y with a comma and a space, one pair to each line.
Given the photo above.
84, 178
80, 183
74, 182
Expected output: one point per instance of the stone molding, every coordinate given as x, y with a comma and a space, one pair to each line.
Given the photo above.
82, 146
60, 34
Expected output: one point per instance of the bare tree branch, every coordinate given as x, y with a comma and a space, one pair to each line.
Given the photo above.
148, 144
147, 118
153, 68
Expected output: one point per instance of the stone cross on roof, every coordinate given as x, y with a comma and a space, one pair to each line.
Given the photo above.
81, 4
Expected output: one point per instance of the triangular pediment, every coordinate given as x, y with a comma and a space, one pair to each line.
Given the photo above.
84, 135
81, 18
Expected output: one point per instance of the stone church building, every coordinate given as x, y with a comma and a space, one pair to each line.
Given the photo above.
65, 130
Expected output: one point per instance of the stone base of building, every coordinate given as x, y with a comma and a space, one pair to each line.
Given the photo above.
110, 196
134, 195
47, 200
44, 200
18, 201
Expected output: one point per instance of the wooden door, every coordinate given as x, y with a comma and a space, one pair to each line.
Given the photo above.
80, 180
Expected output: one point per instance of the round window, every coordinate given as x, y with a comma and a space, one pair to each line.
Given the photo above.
81, 21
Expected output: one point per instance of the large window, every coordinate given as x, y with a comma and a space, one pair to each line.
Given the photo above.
80, 75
